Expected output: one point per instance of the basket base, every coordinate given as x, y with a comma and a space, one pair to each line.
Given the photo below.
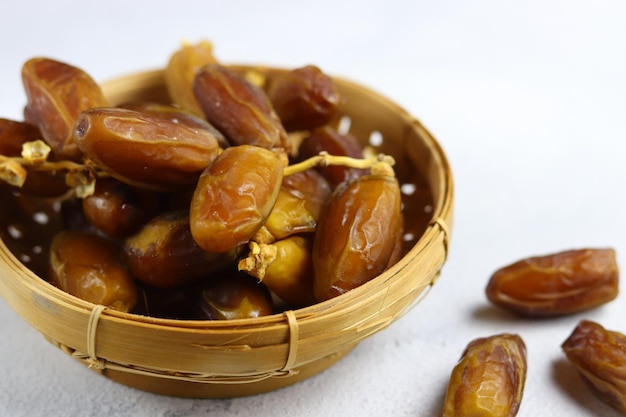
189, 389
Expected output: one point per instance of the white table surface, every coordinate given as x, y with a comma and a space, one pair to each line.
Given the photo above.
527, 98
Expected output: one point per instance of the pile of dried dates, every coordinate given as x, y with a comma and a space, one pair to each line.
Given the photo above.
235, 200
489, 378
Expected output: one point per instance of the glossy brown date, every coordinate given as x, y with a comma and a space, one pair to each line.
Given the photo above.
145, 149
57, 93
89, 267
556, 284
238, 109
234, 196
327, 139
356, 234
290, 275
600, 357
304, 98
163, 253
298, 206
233, 296
489, 378
117, 209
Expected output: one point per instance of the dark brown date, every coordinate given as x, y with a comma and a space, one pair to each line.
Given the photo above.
556, 284
489, 379
238, 109
303, 98
234, 196
356, 234
117, 209
57, 94
145, 149
89, 267
163, 253
233, 296
327, 139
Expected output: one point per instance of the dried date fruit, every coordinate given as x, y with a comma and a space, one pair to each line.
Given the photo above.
489, 378
89, 267
600, 357
298, 206
239, 109
233, 296
285, 267
304, 98
234, 196
163, 253
145, 149
556, 284
117, 209
327, 139
57, 94
181, 71
356, 234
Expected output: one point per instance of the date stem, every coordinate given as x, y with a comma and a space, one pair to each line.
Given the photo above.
380, 164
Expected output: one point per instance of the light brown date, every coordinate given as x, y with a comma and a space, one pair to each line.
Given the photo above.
290, 275
489, 378
239, 109
356, 234
600, 357
163, 253
556, 284
234, 196
145, 149
89, 267
57, 93
298, 206
304, 98
181, 71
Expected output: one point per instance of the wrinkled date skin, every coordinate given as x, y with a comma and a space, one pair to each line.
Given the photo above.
163, 254
356, 234
600, 357
117, 209
146, 149
233, 296
14, 134
89, 267
234, 197
557, 284
327, 139
57, 93
303, 98
239, 109
489, 378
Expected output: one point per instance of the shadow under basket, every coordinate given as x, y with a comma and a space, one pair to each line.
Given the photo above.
217, 359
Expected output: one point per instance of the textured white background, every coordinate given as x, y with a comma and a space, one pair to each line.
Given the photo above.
528, 99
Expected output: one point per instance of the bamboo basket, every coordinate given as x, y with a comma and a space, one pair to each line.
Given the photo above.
217, 359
